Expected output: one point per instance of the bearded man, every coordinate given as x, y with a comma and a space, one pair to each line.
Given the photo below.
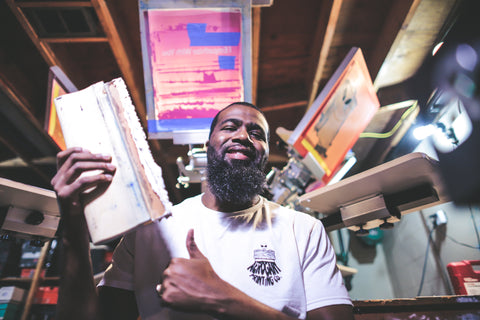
246, 257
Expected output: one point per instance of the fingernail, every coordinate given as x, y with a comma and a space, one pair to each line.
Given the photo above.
108, 177
110, 166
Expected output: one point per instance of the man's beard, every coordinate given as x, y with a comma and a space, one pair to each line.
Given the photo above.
236, 183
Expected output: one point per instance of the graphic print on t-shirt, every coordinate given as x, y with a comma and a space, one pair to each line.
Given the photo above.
264, 271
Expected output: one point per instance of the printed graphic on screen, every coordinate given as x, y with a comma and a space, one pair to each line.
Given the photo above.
350, 103
196, 61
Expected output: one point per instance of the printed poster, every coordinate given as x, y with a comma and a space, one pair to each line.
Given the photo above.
196, 65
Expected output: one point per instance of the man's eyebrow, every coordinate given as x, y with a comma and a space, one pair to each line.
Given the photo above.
234, 120
250, 126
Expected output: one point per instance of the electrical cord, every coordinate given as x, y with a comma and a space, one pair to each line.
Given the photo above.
449, 237
474, 225
390, 133
462, 244
444, 233
425, 262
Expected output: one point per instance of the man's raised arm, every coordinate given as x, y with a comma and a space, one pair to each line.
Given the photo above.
78, 297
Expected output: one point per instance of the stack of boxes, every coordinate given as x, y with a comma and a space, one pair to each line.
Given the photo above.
11, 302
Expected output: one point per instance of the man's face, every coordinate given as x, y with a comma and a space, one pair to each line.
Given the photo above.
240, 135
237, 153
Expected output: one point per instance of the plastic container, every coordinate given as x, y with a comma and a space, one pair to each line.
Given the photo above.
464, 277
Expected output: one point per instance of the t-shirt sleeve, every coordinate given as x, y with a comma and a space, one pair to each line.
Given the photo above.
120, 272
322, 279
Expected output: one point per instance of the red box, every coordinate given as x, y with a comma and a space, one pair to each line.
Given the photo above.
465, 279
46, 295
28, 273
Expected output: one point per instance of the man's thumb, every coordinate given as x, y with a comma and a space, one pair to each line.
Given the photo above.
192, 248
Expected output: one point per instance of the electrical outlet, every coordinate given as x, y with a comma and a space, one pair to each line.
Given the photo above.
439, 218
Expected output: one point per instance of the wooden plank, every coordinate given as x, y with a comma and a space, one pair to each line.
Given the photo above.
36, 281
22, 106
32, 166
121, 55
284, 106
74, 40
324, 34
399, 14
53, 4
414, 41
256, 20
42, 47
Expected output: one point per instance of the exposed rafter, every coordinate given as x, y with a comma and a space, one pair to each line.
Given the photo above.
256, 23
330, 12
414, 40
121, 55
43, 47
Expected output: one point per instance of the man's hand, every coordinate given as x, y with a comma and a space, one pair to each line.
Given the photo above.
191, 284
69, 182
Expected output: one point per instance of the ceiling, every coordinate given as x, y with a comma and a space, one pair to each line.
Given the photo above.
296, 47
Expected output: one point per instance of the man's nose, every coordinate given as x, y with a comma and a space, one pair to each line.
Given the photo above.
242, 134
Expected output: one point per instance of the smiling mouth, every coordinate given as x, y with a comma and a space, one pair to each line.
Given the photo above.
239, 154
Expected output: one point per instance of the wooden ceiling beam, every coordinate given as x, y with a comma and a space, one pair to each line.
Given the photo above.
38, 171
53, 4
74, 40
399, 15
23, 108
256, 21
330, 12
43, 47
420, 29
284, 106
121, 56
18, 100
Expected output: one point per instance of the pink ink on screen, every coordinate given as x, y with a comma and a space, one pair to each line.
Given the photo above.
196, 61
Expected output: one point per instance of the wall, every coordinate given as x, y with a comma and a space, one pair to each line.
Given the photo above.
372, 280
393, 268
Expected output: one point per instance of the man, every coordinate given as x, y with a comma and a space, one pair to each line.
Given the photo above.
245, 257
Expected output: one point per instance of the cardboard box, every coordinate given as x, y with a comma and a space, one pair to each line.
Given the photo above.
11, 294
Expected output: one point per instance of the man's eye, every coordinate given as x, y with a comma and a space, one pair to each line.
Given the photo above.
229, 128
257, 135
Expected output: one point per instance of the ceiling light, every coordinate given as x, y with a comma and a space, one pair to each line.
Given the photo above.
423, 132
436, 48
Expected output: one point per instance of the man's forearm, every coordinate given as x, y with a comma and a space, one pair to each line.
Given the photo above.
78, 298
241, 306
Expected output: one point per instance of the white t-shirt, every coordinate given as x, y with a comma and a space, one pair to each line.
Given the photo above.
280, 257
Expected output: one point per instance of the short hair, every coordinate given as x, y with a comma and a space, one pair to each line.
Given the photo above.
242, 103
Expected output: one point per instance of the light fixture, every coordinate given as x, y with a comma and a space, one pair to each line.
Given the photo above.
437, 47
424, 132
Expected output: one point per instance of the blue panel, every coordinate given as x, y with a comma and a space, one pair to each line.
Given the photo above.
199, 37
226, 62
155, 126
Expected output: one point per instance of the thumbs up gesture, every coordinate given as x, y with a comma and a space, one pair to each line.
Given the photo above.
192, 248
191, 284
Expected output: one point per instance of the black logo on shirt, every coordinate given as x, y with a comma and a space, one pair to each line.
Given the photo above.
264, 271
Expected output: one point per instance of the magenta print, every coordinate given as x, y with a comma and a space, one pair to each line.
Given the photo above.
196, 61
